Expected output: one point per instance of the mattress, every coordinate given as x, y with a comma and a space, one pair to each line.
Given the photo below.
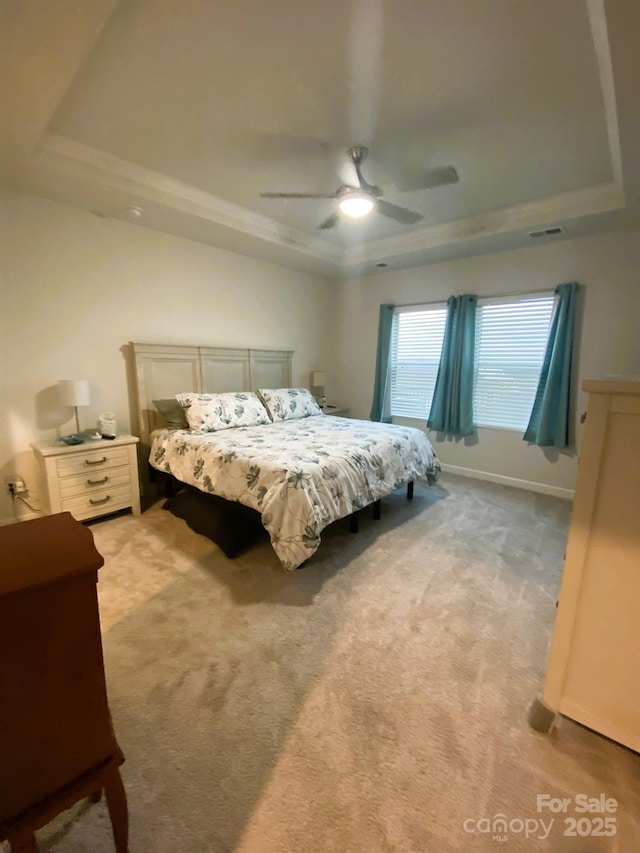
300, 475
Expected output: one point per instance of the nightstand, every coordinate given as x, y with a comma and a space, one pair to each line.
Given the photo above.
339, 412
88, 480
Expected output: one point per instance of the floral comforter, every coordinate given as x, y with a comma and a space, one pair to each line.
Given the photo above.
301, 475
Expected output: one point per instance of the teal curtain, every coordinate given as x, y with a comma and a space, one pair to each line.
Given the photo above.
452, 406
549, 422
379, 407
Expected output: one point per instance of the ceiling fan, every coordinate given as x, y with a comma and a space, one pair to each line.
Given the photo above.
364, 198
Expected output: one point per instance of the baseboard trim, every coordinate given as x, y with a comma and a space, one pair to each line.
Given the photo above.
515, 482
10, 519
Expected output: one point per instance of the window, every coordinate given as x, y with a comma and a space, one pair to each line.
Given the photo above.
511, 337
416, 344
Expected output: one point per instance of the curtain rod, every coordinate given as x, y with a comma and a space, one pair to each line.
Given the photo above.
491, 296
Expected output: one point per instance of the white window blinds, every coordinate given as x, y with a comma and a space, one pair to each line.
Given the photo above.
416, 344
511, 338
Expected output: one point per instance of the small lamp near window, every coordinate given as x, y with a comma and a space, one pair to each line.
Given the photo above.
318, 380
74, 393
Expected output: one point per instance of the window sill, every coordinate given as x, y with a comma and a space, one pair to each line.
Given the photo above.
502, 428
423, 421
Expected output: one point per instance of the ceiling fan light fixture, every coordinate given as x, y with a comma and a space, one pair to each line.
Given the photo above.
355, 203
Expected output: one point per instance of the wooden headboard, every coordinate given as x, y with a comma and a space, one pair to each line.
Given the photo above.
164, 370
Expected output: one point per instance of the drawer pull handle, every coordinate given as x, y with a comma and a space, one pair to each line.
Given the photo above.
95, 461
105, 479
101, 501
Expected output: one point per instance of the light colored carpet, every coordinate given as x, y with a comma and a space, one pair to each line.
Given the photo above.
373, 701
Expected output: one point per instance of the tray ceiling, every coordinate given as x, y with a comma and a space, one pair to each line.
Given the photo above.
189, 110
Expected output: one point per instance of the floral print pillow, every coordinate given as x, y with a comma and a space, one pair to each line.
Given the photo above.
212, 412
287, 404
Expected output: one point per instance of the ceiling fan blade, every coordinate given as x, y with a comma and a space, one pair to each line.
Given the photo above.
329, 222
297, 195
400, 214
427, 179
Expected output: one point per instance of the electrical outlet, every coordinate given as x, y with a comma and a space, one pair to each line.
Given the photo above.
17, 486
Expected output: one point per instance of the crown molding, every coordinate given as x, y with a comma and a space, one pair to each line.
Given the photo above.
55, 151
600, 35
90, 163
552, 210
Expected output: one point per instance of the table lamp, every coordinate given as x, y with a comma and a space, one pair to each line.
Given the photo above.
318, 380
74, 393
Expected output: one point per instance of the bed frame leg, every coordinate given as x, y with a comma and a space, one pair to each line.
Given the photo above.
353, 522
410, 490
167, 484
377, 510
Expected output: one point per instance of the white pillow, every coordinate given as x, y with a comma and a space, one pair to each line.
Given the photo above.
286, 404
212, 412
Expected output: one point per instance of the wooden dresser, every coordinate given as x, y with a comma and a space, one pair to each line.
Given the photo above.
56, 738
593, 673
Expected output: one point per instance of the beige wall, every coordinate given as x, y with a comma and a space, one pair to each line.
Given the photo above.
77, 288
607, 265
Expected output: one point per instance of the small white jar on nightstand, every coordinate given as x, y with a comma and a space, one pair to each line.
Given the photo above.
88, 480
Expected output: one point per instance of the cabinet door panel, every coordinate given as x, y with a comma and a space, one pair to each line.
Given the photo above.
602, 675
594, 659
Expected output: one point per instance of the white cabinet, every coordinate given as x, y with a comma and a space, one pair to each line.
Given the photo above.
89, 480
593, 673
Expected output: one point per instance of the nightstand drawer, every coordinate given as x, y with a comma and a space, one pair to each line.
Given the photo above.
91, 481
91, 504
92, 460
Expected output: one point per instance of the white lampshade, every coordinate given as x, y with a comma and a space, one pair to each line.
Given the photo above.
318, 378
74, 392
356, 203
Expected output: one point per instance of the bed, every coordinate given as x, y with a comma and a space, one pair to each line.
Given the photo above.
300, 473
